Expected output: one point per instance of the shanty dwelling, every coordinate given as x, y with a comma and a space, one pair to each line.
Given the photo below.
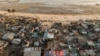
48, 35
32, 51
8, 36
3, 44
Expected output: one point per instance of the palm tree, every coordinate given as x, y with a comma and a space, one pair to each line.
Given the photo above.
13, 11
9, 10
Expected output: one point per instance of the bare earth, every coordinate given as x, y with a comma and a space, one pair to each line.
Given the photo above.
54, 13
51, 9
55, 17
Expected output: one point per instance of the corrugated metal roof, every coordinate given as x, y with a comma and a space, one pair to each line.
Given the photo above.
33, 51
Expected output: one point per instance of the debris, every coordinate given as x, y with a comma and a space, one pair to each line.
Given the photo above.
8, 36
16, 41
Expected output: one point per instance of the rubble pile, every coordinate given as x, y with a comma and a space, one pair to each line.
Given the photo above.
81, 38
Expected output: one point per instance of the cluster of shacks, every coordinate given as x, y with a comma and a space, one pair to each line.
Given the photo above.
28, 36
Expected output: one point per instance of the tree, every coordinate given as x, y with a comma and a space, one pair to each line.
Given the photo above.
13, 10
9, 10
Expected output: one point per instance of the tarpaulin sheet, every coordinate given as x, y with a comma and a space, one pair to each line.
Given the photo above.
55, 53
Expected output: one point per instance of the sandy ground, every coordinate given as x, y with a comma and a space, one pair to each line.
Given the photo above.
54, 17
51, 9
